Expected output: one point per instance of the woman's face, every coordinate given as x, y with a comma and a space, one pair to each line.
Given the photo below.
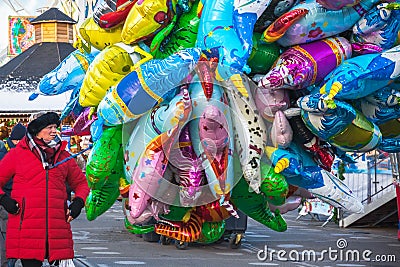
48, 133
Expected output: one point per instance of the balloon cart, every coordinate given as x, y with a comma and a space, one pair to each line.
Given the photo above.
395, 160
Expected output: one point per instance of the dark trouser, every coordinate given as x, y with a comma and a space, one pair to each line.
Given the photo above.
36, 263
31, 263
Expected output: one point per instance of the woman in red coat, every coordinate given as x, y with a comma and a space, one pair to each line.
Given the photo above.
39, 220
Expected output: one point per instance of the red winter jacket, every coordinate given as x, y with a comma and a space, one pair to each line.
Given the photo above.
43, 203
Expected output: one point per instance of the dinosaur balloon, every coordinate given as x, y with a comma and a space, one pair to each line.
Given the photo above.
256, 207
249, 129
103, 157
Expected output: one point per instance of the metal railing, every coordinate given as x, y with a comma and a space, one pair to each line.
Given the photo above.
371, 177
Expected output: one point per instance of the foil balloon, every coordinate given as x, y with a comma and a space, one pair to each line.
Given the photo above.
98, 37
72, 107
103, 7
302, 171
214, 137
115, 16
160, 119
146, 18
380, 26
279, 27
82, 124
248, 128
143, 88
182, 36
275, 9
217, 36
306, 64
206, 72
360, 76
218, 112
281, 131
68, 75
268, 102
176, 213
187, 166
320, 150
103, 157
337, 4
391, 136
100, 200
188, 231
256, 207
212, 212
273, 185
152, 164
320, 22
211, 232
245, 15
343, 127
151, 212
381, 106
263, 55
108, 68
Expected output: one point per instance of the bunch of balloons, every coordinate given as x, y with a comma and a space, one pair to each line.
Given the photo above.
200, 108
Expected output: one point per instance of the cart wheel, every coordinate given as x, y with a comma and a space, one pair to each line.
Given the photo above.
181, 244
165, 240
235, 241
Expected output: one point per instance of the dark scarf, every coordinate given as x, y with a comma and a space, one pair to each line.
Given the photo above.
43, 151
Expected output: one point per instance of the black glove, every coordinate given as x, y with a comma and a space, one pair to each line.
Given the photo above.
9, 204
76, 207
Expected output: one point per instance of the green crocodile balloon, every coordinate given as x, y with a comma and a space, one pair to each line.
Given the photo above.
103, 157
211, 232
256, 207
101, 199
263, 55
182, 36
273, 185
138, 229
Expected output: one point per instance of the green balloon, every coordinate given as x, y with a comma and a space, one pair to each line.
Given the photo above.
211, 232
176, 213
273, 185
263, 55
138, 229
103, 157
100, 200
256, 206
183, 35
